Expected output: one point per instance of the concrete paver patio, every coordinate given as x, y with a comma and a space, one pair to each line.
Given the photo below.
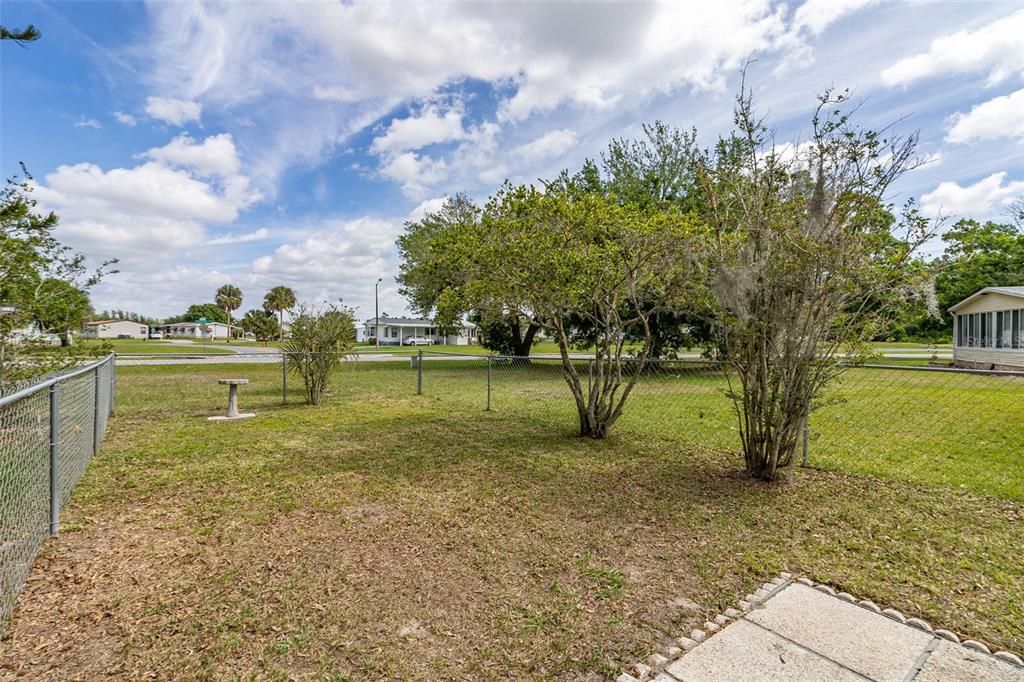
801, 633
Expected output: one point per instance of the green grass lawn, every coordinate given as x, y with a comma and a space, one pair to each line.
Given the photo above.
145, 346
913, 346
389, 535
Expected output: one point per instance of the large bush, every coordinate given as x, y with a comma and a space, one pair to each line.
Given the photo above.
320, 339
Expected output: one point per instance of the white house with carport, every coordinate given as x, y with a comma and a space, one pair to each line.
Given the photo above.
115, 329
395, 330
195, 330
988, 329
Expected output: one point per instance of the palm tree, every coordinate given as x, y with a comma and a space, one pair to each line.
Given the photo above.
229, 297
279, 299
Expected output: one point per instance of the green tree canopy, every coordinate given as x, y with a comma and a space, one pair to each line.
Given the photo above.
978, 255
211, 311
279, 299
805, 264
60, 308
260, 323
438, 260
32, 262
20, 35
574, 255
229, 299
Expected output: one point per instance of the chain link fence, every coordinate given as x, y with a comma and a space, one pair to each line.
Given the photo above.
925, 425
931, 425
49, 430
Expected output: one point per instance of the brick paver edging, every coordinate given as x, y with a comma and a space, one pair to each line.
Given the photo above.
652, 668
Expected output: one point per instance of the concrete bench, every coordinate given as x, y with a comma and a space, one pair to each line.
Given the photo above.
233, 412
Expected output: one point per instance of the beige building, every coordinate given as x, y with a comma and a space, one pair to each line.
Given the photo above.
115, 329
988, 329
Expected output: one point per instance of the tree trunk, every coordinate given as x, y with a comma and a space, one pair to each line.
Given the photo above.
523, 343
773, 411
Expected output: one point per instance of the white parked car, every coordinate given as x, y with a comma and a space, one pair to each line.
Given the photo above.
156, 335
417, 341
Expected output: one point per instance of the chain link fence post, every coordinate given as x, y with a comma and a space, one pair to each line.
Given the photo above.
488, 383
419, 371
54, 457
96, 411
113, 383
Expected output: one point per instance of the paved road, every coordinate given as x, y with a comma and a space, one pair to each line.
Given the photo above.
798, 633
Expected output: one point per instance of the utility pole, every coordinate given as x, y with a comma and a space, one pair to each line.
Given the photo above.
376, 312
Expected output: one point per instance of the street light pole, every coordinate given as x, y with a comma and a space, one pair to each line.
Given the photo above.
376, 312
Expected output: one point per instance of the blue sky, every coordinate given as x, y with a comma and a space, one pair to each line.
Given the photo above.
285, 143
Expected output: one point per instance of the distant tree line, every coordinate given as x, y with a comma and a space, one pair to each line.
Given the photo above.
265, 323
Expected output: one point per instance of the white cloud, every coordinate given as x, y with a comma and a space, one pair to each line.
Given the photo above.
342, 259
414, 172
322, 71
230, 238
426, 206
215, 155
430, 126
125, 119
980, 200
551, 144
174, 111
994, 49
153, 210
996, 118
162, 292
83, 122
817, 15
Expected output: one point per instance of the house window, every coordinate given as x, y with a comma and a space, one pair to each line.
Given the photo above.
971, 330
1017, 323
983, 334
1006, 329
998, 329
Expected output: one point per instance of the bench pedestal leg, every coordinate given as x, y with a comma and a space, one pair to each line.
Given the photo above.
232, 401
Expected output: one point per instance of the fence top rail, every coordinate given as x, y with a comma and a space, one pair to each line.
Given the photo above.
35, 388
711, 361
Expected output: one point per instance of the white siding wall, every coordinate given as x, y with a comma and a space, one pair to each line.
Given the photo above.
112, 330
1001, 358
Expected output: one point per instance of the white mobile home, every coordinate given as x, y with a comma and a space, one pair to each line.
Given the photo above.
988, 329
195, 330
394, 331
115, 329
